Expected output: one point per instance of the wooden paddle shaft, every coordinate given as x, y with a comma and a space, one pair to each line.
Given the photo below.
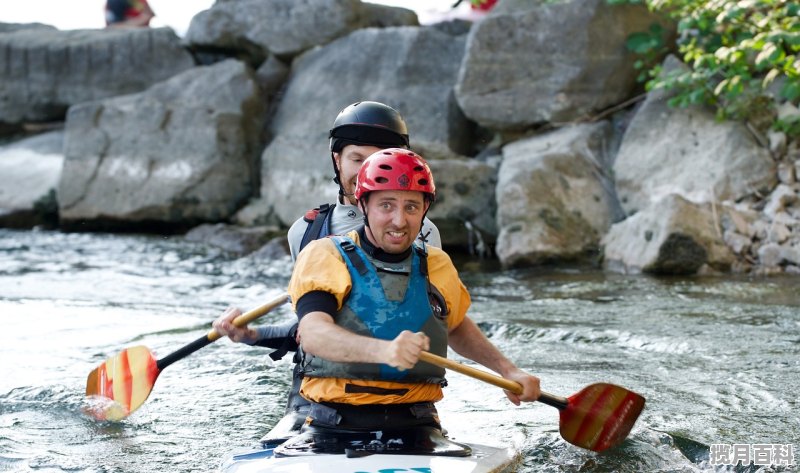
513, 386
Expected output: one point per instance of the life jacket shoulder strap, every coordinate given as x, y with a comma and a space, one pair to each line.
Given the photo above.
318, 224
349, 249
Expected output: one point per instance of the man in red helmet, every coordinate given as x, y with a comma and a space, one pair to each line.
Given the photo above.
370, 301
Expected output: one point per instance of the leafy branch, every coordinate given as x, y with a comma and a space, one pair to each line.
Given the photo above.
742, 56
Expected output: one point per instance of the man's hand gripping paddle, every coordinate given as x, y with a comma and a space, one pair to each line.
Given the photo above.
597, 417
121, 384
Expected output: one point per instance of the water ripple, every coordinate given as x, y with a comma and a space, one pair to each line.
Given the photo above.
628, 340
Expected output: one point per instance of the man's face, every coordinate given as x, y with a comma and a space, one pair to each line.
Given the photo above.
349, 162
395, 219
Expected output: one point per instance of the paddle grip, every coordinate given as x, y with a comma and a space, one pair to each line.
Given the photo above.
513, 386
251, 315
213, 335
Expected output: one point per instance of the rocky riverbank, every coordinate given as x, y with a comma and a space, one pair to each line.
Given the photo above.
545, 148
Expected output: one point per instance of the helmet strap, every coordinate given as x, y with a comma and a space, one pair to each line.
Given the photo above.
425, 214
336, 177
363, 204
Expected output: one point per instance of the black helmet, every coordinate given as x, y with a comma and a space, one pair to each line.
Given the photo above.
370, 124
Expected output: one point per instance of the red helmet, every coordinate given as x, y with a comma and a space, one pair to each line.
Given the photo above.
395, 169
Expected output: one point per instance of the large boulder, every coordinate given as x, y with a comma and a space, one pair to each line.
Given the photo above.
44, 71
554, 196
672, 236
530, 62
234, 239
285, 28
465, 208
181, 153
29, 173
390, 68
687, 151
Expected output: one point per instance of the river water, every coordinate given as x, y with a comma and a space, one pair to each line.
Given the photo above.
715, 357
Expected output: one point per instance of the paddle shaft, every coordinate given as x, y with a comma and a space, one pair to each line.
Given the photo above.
213, 335
551, 400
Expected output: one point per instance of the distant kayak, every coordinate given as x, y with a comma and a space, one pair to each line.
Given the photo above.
419, 451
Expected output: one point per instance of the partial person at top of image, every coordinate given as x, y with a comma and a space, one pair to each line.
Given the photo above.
128, 14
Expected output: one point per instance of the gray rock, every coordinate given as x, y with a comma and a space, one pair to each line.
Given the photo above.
272, 75
296, 165
770, 254
14, 27
29, 174
760, 229
778, 233
286, 27
384, 16
738, 243
739, 220
777, 143
183, 152
455, 27
672, 236
669, 150
276, 248
554, 200
786, 218
797, 168
44, 71
791, 254
786, 173
258, 27
782, 197
465, 208
231, 238
530, 62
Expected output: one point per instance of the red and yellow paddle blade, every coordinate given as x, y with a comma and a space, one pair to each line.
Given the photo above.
600, 416
121, 384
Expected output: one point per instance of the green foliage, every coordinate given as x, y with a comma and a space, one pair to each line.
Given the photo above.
742, 56
651, 46
790, 125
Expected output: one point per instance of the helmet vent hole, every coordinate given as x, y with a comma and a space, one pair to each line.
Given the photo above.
385, 167
423, 182
418, 168
381, 180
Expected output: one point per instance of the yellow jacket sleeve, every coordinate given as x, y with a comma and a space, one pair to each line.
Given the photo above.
444, 276
319, 267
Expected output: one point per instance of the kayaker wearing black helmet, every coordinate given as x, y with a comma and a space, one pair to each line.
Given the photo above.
359, 130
